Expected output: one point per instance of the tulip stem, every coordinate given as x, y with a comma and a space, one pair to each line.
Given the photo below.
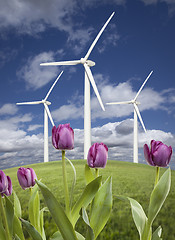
66, 191
96, 172
157, 176
4, 217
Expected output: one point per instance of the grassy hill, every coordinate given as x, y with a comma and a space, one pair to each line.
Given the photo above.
129, 179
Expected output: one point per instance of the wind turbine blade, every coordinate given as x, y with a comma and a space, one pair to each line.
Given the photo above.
49, 114
142, 86
91, 79
74, 62
29, 103
139, 115
98, 36
53, 86
113, 103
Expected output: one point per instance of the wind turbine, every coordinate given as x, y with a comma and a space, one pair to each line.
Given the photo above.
46, 114
136, 113
87, 80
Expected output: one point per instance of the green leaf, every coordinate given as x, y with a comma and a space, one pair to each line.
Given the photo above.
73, 183
42, 223
57, 213
16, 237
31, 230
17, 228
101, 207
122, 198
90, 233
9, 214
89, 177
86, 198
2, 231
159, 195
34, 209
17, 205
157, 234
138, 215
57, 236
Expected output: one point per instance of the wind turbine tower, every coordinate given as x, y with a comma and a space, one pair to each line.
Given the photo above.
87, 80
136, 114
46, 114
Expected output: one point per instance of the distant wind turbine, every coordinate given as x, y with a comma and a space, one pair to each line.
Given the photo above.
46, 114
88, 78
136, 113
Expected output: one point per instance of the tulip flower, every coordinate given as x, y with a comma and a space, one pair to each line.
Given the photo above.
26, 177
63, 137
8, 191
159, 155
97, 155
3, 182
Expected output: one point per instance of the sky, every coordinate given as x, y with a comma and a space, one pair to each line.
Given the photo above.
139, 38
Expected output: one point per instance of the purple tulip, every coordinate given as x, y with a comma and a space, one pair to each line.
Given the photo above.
3, 182
26, 177
8, 191
97, 155
159, 154
63, 137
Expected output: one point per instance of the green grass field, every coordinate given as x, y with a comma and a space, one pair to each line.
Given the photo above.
133, 180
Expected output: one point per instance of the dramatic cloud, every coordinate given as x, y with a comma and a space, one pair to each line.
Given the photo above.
37, 76
34, 127
32, 17
68, 112
149, 99
8, 109
22, 148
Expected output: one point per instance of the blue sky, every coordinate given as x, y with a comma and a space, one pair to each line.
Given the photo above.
139, 38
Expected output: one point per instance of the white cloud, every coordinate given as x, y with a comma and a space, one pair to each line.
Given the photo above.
37, 76
33, 16
34, 127
111, 38
19, 148
69, 111
79, 37
149, 99
8, 109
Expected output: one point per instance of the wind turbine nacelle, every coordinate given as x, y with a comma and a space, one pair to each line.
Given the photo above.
90, 63
47, 102
137, 103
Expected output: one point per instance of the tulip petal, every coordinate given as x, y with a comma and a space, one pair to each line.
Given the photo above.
162, 155
33, 176
171, 151
66, 140
159, 155
147, 155
101, 157
26, 177
54, 137
63, 137
3, 182
8, 192
97, 155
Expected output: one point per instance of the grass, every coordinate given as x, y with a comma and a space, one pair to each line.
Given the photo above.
129, 179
